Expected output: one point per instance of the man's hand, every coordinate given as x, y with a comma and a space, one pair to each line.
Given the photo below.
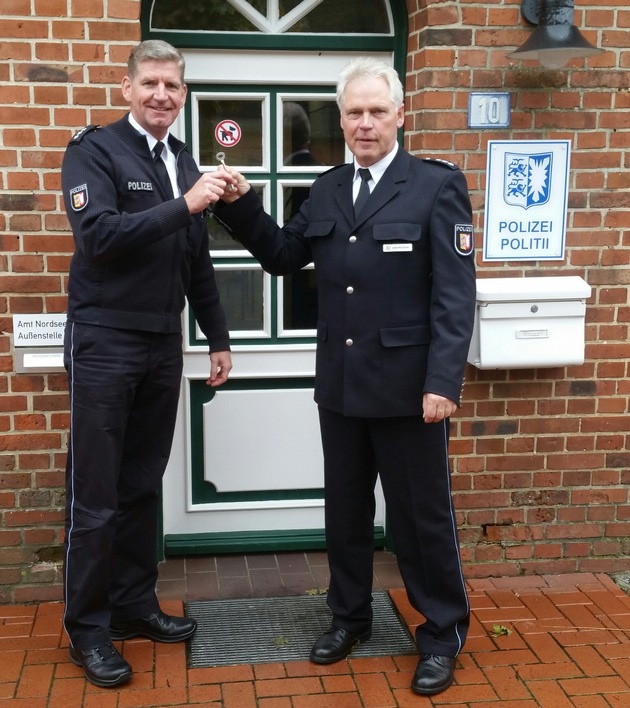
220, 367
435, 408
208, 189
242, 186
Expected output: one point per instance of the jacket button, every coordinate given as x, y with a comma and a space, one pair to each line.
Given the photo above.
349, 289
349, 342
352, 239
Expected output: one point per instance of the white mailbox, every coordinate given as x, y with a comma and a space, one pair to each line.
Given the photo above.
523, 323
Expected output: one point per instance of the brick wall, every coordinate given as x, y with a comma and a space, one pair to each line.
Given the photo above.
539, 456
541, 467
59, 70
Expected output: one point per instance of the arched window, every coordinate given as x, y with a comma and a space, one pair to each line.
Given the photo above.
274, 17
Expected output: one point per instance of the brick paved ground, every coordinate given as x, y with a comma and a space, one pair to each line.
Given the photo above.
547, 641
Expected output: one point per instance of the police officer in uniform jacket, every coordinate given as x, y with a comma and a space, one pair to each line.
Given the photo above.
396, 300
141, 249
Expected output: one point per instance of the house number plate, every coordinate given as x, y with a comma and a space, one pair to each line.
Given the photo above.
489, 110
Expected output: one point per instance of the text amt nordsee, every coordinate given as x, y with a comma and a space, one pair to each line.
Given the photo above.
39, 330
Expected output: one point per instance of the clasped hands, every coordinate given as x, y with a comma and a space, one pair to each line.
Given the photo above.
224, 183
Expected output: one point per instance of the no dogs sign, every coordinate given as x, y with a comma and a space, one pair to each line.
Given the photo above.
227, 133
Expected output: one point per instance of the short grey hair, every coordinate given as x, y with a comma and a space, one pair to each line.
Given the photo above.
154, 50
369, 67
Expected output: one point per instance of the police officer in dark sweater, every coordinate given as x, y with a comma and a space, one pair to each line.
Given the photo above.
136, 207
396, 302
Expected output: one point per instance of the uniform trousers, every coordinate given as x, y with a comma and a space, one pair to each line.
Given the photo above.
411, 458
124, 387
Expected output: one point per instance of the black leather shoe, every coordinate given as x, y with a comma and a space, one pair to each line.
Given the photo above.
335, 645
434, 674
103, 665
159, 627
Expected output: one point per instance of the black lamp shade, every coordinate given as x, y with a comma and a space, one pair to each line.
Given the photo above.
556, 40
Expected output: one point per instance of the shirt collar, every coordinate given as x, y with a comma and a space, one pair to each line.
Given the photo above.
150, 139
378, 168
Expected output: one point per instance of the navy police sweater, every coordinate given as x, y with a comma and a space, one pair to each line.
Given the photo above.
138, 256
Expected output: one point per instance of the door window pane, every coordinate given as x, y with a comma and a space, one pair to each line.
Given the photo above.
298, 304
248, 113
242, 297
286, 6
349, 16
311, 134
199, 16
300, 300
220, 238
293, 197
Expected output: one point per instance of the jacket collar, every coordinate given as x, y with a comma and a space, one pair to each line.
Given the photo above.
390, 184
138, 142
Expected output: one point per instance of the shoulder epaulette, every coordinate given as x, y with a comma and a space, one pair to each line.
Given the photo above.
332, 169
77, 137
439, 161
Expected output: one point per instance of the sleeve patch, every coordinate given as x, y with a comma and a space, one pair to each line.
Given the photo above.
79, 197
463, 239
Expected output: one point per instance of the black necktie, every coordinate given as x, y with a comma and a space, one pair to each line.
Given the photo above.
364, 190
160, 168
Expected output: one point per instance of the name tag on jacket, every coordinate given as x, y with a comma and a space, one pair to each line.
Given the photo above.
397, 247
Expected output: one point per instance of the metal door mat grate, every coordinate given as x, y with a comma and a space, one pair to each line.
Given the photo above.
276, 629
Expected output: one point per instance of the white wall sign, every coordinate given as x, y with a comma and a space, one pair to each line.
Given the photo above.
38, 330
526, 200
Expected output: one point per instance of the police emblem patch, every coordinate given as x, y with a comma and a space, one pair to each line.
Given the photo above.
464, 239
79, 197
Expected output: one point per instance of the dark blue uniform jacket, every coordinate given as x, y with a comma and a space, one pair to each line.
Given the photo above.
137, 257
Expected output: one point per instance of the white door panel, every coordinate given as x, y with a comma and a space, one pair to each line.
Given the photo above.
273, 452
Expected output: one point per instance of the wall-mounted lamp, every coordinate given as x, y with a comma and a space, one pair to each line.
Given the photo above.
556, 40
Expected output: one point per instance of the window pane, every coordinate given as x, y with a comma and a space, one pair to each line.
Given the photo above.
217, 15
248, 114
220, 237
286, 6
311, 133
260, 5
349, 16
242, 297
300, 300
292, 199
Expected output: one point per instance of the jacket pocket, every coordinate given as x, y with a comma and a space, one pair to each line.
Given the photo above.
405, 335
318, 229
396, 232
